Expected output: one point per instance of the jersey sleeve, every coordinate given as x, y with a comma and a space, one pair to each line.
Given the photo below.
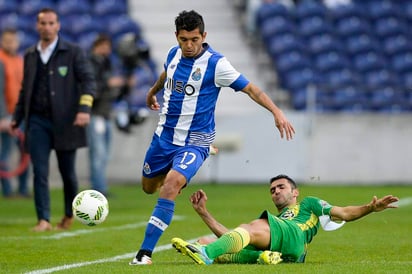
227, 76
319, 207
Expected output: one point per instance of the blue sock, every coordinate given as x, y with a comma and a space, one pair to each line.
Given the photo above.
161, 218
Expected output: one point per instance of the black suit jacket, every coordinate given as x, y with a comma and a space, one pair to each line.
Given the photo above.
70, 77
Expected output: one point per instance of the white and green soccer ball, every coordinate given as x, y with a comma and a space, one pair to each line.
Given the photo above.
90, 207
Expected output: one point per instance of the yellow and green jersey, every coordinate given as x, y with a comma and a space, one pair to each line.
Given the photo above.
293, 228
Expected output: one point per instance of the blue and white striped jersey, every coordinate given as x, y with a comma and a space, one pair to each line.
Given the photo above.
191, 90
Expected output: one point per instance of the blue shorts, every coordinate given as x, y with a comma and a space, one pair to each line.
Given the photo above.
162, 157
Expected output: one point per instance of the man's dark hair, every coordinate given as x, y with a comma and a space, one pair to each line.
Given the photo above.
9, 30
102, 38
189, 20
283, 176
48, 10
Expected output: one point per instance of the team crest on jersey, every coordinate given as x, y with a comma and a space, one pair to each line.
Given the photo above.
146, 168
197, 75
289, 214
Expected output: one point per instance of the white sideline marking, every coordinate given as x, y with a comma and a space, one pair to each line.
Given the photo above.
106, 260
75, 233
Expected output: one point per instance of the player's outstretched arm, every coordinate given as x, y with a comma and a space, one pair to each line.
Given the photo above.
198, 200
351, 213
284, 126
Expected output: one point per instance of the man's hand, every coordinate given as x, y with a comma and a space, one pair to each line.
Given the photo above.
198, 200
82, 119
377, 205
4, 125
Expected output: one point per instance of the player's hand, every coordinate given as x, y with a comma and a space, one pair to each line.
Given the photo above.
284, 126
82, 119
377, 205
198, 200
151, 102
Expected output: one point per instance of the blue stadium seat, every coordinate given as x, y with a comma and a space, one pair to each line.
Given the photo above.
369, 61
349, 98
7, 7
291, 60
31, 7
72, 7
283, 43
339, 78
321, 43
313, 26
379, 78
383, 8
16, 21
402, 62
308, 9
119, 25
27, 39
390, 26
407, 12
268, 10
329, 61
387, 98
346, 11
78, 24
352, 26
109, 7
299, 78
274, 26
406, 81
361, 43
396, 44
86, 39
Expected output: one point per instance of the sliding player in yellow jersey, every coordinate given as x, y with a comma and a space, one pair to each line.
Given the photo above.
271, 239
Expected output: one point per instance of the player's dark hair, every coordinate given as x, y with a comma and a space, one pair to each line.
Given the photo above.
48, 10
189, 20
283, 176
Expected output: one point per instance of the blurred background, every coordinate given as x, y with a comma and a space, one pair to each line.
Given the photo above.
341, 70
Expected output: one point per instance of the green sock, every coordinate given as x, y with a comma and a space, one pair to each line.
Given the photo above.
245, 256
230, 242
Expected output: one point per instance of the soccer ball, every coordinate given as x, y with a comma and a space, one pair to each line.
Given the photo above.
90, 207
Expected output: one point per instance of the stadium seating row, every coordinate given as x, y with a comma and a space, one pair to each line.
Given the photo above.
357, 57
81, 22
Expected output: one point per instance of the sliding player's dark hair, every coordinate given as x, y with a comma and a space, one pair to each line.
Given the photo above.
283, 176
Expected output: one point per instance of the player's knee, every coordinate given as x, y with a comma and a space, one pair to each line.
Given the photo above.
150, 187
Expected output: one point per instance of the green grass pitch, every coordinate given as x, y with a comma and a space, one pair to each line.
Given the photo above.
379, 243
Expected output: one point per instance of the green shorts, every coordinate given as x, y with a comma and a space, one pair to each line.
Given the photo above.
285, 237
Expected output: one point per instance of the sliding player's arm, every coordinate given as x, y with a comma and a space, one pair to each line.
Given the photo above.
198, 200
351, 213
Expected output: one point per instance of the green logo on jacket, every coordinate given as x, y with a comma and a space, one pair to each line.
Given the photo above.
63, 71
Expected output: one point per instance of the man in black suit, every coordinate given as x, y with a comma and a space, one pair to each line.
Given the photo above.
55, 101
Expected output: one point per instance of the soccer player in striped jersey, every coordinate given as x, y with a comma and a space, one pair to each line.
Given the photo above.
271, 239
193, 75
